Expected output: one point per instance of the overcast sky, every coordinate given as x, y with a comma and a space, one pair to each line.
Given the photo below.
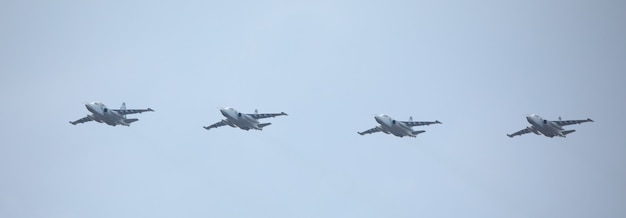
476, 66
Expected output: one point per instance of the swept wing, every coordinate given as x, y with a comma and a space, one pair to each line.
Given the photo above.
261, 116
570, 122
215, 125
131, 111
524, 131
521, 132
82, 120
420, 123
370, 131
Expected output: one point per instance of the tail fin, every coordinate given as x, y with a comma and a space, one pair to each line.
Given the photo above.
123, 107
264, 125
568, 132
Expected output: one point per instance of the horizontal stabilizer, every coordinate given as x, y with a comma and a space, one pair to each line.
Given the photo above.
128, 121
568, 131
418, 132
264, 125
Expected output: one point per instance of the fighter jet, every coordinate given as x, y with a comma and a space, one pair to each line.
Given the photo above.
112, 117
548, 128
398, 128
243, 121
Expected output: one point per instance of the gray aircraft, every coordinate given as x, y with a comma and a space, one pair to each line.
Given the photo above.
243, 121
548, 128
112, 117
398, 128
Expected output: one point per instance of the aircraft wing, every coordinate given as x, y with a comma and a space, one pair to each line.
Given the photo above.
420, 123
570, 122
215, 125
370, 131
521, 132
131, 111
81, 120
261, 116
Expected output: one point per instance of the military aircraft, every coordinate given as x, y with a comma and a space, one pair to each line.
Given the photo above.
112, 117
546, 127
398, 128
243, 121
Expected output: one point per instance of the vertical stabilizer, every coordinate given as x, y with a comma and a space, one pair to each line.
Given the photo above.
123, 107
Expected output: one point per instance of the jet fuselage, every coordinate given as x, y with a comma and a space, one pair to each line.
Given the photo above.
391, 126
235, 118
545, 127
101, 114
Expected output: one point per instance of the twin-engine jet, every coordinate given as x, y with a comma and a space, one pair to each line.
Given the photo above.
112, 117
398, 128
243, 121
548, 128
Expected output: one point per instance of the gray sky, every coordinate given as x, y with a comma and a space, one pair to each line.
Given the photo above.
478, 67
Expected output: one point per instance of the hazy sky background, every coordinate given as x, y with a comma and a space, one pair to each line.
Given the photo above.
477, 66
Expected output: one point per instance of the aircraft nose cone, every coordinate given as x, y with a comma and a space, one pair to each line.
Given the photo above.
223, 111
88, 106
378, 119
